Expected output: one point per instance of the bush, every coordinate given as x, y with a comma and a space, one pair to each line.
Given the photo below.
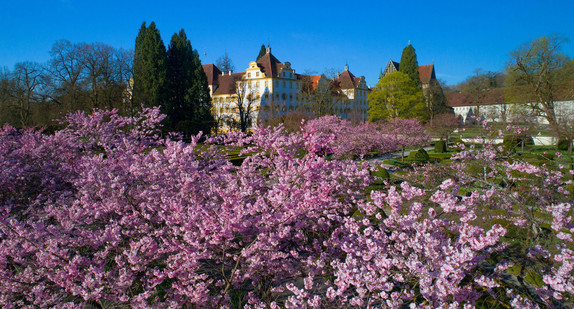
419, 155
380, 175
562, 145
512, 141
440, 146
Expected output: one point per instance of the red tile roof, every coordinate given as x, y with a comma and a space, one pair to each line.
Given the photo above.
270, 65
212, 72
227, 83
347, 80
426, 73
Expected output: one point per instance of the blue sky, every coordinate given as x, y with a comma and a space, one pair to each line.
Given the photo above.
315, 36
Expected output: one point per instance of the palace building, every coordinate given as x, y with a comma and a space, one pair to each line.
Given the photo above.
271, 88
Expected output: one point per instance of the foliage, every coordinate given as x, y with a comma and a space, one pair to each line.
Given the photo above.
396, 96
563, 145
440, 146
409, 64
150, 68
106, 212
262, 52
188, 103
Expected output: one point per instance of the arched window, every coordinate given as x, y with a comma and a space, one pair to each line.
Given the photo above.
284, 96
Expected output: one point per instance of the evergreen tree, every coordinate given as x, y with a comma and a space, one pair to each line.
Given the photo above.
188, 107
409, 64
396, 96
262, 52
149, 68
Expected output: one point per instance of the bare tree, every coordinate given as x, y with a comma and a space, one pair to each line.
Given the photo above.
244, 100
320, 94
535, 71
443, 126
27, 80
225, 64
67, 72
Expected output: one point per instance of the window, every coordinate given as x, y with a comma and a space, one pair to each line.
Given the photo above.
290, 97
257, 73
284, 96
266, 84
257, 84
267, 96
248, 75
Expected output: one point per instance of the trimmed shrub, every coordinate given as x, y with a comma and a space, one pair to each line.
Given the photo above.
419, 155
381, 174
512, 141
562, 145
440, 146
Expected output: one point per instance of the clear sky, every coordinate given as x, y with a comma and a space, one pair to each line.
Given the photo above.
315, 36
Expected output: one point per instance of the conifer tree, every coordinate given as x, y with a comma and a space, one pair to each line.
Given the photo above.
149, 68
188, 107
409, 64
262, 52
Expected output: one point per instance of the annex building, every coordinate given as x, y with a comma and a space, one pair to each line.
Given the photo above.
426, 73
271, 88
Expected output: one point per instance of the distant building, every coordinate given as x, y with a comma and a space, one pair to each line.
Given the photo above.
273, 88
426, 72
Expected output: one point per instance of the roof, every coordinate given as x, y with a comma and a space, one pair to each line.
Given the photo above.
227, 83
491, 97
426, 73
212, 72
347, 80
270, 65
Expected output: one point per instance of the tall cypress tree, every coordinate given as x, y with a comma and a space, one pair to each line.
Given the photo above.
149, 68
188, 105
409, 64
262, 52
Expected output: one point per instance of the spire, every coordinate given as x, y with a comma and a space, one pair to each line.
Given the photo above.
268, 50
346, 66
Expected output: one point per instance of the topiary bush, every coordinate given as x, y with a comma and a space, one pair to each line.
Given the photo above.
562, 144
421, 155
512, 141
440, 146
380, 175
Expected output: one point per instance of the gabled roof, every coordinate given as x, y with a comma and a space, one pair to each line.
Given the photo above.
347, 80
270, 65
227, 83
212, 72
426, 73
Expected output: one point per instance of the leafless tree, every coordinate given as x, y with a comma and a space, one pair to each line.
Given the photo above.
244, 101
535, 71
320, 95
225, 64
443, 126
27, 81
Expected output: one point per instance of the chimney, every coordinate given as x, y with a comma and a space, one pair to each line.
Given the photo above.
229, 72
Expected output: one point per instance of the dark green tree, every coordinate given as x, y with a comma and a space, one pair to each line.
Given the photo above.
150, 66
188, 104
262, 52
409, 64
